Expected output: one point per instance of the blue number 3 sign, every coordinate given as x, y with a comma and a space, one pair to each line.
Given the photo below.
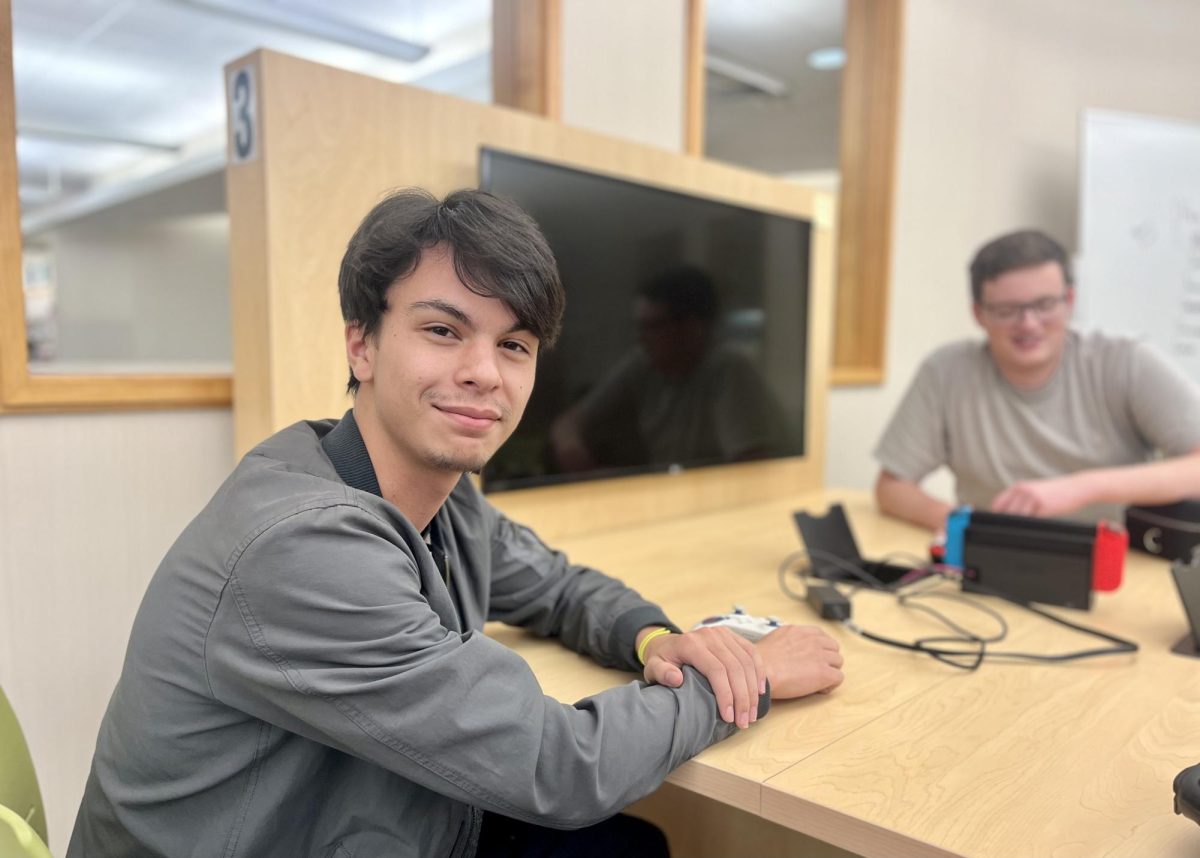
243, 125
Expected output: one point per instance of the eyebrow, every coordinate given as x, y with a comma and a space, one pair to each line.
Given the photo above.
457, 314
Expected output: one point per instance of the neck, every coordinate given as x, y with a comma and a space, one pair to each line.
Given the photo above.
417, 491
1030, 378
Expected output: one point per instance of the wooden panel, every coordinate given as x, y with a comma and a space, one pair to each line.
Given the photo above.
19, 389
698, 827
12, 302
694, 78
342, 139
870, 95
249, 300
527, 55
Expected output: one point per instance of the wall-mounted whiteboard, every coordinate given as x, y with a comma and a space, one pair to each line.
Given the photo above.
1139, 253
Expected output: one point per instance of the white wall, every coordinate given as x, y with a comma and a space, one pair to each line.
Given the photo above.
88, 506
989, 126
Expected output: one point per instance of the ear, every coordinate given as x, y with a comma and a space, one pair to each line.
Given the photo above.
1070, 299
977, 312
360, 352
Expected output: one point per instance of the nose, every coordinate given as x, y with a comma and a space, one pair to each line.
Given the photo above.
1027, 315
479, 367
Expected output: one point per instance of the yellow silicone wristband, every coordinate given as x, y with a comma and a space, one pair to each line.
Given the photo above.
641, 650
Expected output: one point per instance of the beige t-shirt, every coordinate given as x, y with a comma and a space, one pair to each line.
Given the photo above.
1112, 401
721, 411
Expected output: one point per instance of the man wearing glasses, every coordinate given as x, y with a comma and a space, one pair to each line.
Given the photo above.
1039, 419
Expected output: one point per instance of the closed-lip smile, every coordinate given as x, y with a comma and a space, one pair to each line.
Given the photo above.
467, 411
473, 421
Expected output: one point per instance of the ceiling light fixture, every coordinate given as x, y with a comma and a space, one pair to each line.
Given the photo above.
827, 59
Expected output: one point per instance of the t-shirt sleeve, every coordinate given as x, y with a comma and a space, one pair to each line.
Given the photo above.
914, 443
615, 393
1165, 403
748, 419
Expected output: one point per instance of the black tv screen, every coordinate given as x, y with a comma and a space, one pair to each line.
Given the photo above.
685, 337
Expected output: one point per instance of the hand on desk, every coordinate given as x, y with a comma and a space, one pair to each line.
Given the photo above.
800, 660
731, 664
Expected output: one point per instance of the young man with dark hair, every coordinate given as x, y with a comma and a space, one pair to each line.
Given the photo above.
307, 674
1039, 419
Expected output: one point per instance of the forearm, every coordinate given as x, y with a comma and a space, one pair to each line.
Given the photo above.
1160, 482
908, 501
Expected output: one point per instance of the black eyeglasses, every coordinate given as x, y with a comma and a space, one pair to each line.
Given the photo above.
1043, 309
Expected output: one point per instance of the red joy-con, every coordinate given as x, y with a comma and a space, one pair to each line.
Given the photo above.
1108, 556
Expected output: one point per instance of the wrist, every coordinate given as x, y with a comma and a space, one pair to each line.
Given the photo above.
648, 639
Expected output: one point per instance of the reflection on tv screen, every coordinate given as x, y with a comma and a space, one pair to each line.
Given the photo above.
685, 334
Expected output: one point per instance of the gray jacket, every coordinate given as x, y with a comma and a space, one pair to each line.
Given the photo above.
306, 677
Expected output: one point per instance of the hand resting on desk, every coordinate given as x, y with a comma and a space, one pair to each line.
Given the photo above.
798, 660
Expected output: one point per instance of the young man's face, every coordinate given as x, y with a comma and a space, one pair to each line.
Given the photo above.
448, 372
1025, 314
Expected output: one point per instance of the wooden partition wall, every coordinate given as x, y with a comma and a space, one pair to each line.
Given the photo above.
330, 142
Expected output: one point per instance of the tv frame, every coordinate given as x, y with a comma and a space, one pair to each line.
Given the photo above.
492, 485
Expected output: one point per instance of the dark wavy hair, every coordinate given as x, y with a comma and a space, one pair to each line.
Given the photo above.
498, 252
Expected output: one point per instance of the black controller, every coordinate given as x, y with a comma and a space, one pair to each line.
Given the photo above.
1187, 793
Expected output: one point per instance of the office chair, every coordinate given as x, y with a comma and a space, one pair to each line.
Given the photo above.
17, 839
19, 792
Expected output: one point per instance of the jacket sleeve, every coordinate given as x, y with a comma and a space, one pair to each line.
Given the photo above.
322, 630
536, 587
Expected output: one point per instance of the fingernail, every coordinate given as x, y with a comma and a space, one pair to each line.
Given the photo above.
729, 714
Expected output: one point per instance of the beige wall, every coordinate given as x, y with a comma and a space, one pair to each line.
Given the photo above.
88, 506
989, 126
623, 64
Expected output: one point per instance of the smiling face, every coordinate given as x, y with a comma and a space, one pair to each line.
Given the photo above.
1026, 344
444, 380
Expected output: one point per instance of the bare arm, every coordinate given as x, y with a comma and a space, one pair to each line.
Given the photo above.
906, 500
1160, 482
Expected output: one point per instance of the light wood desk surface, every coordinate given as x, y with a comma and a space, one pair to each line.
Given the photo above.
910, 757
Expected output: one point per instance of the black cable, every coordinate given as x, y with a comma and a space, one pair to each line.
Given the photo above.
975, 647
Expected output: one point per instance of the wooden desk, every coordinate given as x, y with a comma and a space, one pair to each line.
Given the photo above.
910, 757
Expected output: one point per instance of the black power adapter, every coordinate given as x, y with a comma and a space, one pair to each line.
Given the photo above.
827, 602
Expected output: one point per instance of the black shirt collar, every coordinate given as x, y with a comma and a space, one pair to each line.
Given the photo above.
344, 446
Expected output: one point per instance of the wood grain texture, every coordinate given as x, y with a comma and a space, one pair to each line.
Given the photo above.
527, 56
867, 159
694, 77
910, 757
343, 139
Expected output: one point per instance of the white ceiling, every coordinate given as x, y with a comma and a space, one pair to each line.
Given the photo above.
113, 93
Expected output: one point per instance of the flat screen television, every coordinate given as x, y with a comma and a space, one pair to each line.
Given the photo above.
685, 337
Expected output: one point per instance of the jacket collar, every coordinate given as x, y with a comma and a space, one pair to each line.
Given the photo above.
344, 446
